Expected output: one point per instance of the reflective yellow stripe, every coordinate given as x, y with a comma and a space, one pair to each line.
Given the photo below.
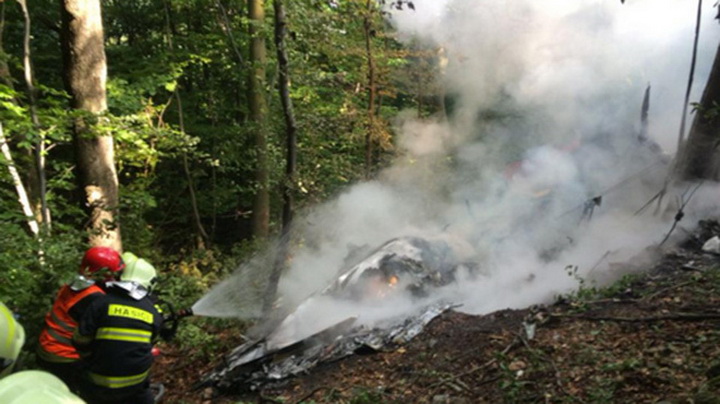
120, 310
123, 334
65, 326
82, 339
116, 382
58, 337
50, 357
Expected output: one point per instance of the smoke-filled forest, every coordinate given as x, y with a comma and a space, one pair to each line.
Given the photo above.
484, 194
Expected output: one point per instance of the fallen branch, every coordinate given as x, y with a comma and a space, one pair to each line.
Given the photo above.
474, 369
611, 300
661, 291
668, 317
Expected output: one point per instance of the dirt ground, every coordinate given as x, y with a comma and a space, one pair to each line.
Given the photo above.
651, 337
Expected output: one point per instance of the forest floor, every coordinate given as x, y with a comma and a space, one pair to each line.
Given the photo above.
653, 336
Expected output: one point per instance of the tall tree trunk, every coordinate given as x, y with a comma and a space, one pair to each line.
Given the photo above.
702, 152
39, 150
258, 115
85, 73
288, 113
372, 90
681, 135
290, 150
5, 76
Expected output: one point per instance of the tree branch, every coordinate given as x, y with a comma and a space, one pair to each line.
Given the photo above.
649, 319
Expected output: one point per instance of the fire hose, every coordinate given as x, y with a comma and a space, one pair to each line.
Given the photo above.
171, 319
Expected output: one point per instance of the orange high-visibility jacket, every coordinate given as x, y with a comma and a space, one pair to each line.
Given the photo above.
56, 336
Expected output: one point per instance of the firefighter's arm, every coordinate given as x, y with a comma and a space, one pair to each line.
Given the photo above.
169, 319
84, 334
82, 343
168, 325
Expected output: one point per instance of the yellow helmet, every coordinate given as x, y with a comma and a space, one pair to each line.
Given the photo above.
139, 271
34, 387
12, 338
129, 258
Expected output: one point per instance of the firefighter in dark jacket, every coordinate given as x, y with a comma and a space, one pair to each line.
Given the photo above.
55, 351
115, 339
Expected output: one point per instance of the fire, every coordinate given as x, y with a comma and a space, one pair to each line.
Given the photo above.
393, 281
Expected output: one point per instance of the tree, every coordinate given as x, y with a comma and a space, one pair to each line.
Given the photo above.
38, 171
288, 187
258, 115
19, 187
368, 33
288, 114
702, 154
84, 74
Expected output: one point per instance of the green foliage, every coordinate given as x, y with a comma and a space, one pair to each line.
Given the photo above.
710, 113
33, 271
195, 340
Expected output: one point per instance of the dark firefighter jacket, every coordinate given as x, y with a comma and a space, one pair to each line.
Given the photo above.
115, 337
62, 320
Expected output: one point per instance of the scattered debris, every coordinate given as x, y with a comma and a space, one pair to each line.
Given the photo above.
712, 245
250, 370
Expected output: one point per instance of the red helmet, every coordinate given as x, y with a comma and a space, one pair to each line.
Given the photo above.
98, 259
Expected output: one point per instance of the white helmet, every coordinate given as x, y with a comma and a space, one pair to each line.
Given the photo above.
35, 387
140, 272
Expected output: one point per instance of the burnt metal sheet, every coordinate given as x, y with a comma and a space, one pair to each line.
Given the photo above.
407, 266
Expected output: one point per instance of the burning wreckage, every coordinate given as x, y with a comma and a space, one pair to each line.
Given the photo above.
402, 267
382, 279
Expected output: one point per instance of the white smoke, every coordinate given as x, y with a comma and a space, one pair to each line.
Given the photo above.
546, 118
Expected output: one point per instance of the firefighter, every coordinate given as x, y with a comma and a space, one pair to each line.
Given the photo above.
29, 386
12, 338
55, 352
115, 339
35, 387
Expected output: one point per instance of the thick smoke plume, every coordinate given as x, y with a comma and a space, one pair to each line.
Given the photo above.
537, 173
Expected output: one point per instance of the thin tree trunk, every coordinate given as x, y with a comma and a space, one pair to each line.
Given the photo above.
5, 76
291, 154
202, 234
369, 136
227, 28
19, 188
85, 74
681, 135
681, 163
288, 113
258, 113
40, 144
